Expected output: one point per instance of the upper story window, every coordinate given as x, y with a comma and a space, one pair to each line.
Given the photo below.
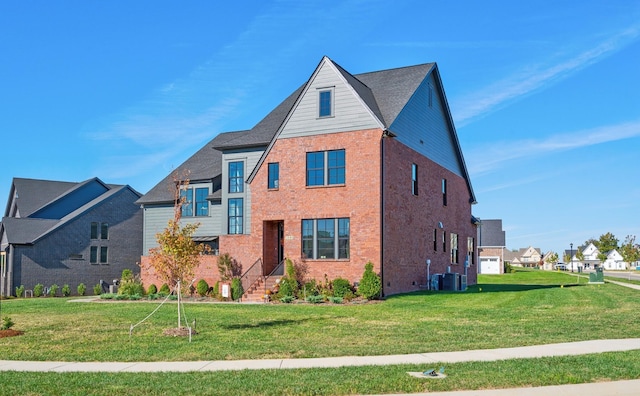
199, 206
236, 177
325, 102
101, 228
414, 179
274, 175
326, 168
444, 192
471, 250
454, 248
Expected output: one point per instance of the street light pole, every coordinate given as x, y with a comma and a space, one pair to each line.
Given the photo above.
571, 257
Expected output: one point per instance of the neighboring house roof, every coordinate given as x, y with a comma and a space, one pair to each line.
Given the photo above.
78, 198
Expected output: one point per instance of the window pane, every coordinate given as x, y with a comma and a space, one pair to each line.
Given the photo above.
235, 215
315, 169
336, 166
343, 238
274, 175
236, 177
94, 230
202, 205
326, 238
103, 254
325, 104
307, 239
93, 257
414, 179
187, 202
104, 231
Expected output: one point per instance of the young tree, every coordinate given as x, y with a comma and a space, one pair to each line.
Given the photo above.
176, 257
606, 243
552, 259
630, 250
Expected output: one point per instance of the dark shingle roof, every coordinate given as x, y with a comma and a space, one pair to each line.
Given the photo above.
33, 194
491, 233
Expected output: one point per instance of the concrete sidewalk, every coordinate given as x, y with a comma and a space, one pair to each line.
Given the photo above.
621, 388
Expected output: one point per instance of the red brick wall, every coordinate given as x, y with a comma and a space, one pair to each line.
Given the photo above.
410, 221
358, 199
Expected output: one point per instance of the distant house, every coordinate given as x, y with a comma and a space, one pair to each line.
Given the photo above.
348, 169
491, 247
614, 261
56, 232
526, 257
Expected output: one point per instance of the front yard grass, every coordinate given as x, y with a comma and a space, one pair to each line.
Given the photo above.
523, 308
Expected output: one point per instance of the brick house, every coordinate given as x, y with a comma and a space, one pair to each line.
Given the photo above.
348, 169
56, 232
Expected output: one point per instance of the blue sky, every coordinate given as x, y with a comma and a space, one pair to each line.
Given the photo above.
545, 94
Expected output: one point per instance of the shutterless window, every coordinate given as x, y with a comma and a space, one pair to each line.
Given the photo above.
414, 179
187, 202
435, 240
444, 241
454, 248
103, 254
104, 230
470, 250
325, 105
444, 192
325, 167
326, 238
235, 215
202, 205
236, 177
93, 255
94, 230
274, 175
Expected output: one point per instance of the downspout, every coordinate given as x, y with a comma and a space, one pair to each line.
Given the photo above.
382, 206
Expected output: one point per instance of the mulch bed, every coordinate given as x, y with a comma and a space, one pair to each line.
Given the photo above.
10, 333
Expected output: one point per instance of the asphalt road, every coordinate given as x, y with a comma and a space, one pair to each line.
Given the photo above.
623, 275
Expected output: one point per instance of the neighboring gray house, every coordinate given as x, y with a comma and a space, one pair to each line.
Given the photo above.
491, 247
61, 233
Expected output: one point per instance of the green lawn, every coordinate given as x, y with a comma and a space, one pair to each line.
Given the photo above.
524, 308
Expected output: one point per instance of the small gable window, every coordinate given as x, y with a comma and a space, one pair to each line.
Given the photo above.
325, 102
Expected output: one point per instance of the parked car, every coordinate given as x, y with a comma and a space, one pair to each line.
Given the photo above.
560, 266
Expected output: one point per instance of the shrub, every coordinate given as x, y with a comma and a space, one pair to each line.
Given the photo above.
173, 297
228, 267
82, 289
108, 296
287, 299
153, 296
20, 291
121, 296
287, 288
66, 290
97, 290
341, 287
53, 290
216, 290
236, 289
336, 300
130, 284
135, 297
370, 284
310, 288
38, 290
152, 289
164, 290
202, 287
7, 323
315, 299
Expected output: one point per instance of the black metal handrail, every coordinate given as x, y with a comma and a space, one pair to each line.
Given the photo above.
252, 275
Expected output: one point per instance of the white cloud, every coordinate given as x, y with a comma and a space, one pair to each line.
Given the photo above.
535, 77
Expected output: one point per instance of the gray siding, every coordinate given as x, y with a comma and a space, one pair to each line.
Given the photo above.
350, 114
155, 220
250, 159
426, 128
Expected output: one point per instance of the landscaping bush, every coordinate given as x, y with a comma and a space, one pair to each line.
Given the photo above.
202, 287
152, 289
108, 296
97, 290
38, 290
7, 323
164, 290
66, 290
341, 287
310, 288
287, 299
336, 300
315, 299
20, 291
236, 289
53, 290
82, 289
287, 288
216, 290
228, 267
370, 284
130, 284
153, 296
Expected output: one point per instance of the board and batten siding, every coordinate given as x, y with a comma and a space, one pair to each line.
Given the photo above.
250, 159
349, 114
426, 128
155, 220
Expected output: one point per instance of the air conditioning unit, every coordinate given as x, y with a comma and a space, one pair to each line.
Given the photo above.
450, 282
436, 282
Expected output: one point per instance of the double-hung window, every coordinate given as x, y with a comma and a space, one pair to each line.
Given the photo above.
325, 238
273, 176
325, 102
236, 177
202, 205
99, 228
186, 196
414, 179
235, 218
454, 248
325, 168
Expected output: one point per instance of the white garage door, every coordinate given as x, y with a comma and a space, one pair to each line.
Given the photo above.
489, 265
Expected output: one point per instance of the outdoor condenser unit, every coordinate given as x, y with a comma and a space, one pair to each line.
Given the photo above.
450, 282
436, 282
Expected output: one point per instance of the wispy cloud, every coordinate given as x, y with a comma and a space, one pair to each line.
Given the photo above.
536, 77
493, 156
